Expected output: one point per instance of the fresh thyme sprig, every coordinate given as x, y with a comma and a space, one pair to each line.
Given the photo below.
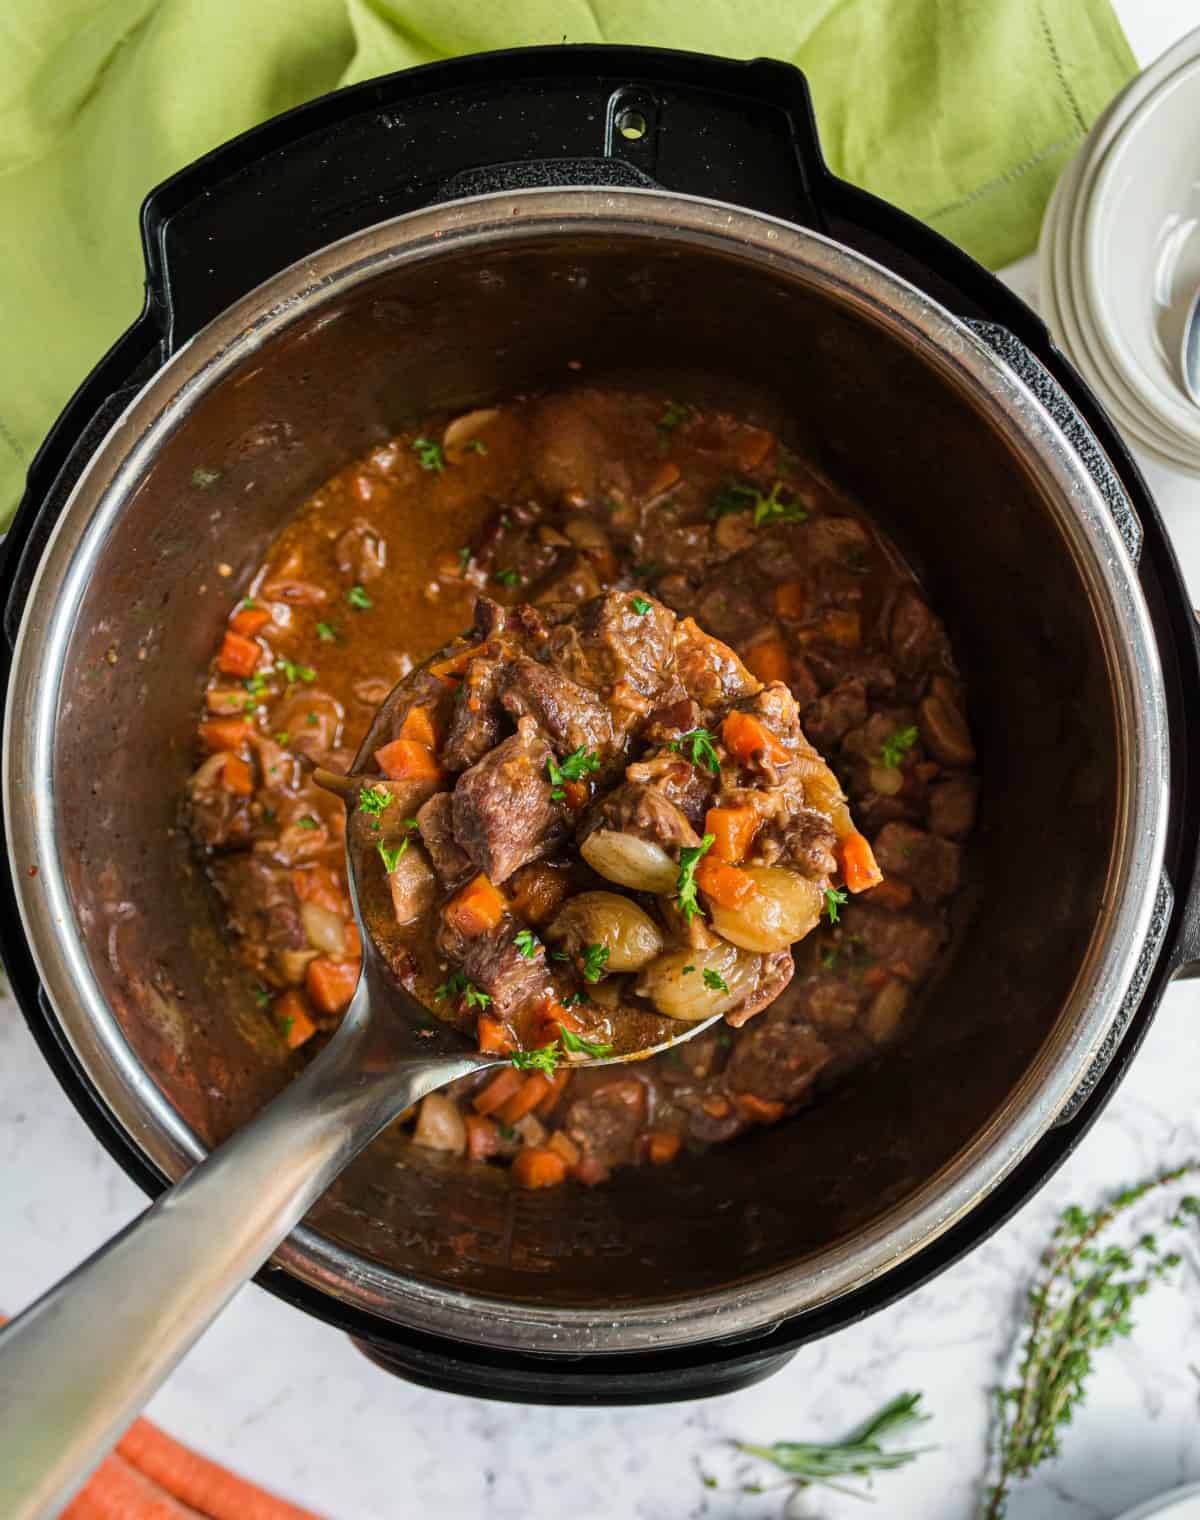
1082, 1299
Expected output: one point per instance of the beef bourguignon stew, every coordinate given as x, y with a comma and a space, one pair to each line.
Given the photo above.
584, 540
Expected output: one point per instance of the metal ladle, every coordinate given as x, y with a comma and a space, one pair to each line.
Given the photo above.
78, 1365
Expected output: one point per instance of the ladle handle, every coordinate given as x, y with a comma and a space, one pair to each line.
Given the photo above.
79, 1364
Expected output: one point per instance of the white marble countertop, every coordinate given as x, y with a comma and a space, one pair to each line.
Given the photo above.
290, 1403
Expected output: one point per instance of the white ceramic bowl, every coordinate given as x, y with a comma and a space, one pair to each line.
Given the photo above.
1179, 1504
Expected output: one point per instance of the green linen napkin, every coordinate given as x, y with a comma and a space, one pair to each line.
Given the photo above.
961, 111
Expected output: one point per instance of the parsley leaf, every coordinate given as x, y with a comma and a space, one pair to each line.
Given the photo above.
248, 604
834, 898
574, 768
739, 497
391, 856
476, 446
544, 1059
526, 944
457, 985
282, 738
715, 981
685, 882
306, 823
359, 599
687, 971
576, 1044
327, 633
261, 996
293, 672
700, 743
508, 577
576, 1000
464, 559
373, 800
641, 606
559, 955
677, 412
429, 454
594, 959
896, 746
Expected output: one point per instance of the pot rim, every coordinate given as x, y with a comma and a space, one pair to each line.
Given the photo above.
1081, 514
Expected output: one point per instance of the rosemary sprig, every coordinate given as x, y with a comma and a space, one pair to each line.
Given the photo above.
1082, 1299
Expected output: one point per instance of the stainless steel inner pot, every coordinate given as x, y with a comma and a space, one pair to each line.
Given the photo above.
453, 307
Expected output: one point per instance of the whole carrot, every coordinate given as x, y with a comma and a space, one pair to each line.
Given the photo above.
193, 1479
118, 1491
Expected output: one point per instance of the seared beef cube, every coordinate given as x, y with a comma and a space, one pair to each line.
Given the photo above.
490, 619
832, 1000
621, 651
644, 811
477, 718
262, 907
217, 817
830, 667
503, 813
803, 838
952, 807
435, 819
570, 715
677, 715
832, 716
905, 944
494, 964
916, 637
607, 1121
708, 669
774, 974
686, 786
929, 864
777, 1059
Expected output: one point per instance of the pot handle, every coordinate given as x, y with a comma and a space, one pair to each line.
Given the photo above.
736, 131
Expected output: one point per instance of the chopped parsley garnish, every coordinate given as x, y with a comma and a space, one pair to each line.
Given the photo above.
391, 857
476, 446
595, 958
327, 633
685, 882
312, 719
559, 955
687, 971
544, 1059
737, 497
286, 1025
834, 898
359, 599
715, 981
464, 559
293, 672
641, 606
203, 479
256, 685
577, 1044
676, 413
576, 1000
307, 822
508, 577
698, 742
897, 745
457, 985
429, 454
249, 604
828, 956
574, 768
282, 738
372, 800
526, 944
261, 996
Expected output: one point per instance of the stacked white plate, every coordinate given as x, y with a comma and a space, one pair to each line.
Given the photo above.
1119, 257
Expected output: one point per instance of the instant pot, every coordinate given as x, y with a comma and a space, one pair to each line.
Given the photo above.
493, 225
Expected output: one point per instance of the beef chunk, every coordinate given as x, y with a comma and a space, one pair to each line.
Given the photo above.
830, 667
493, 962
606, 1122
477, 718
646, 812
622, 652
489, 619
777, 1058
926, 862
906, 944
262, 907
686, 786
678, 715
708, 669
952, 807
360, 551
803, 838
503, 815
833, 1001
570, 715
413, 887
435, 819
916, 636
218, 818
832, 716
773, 976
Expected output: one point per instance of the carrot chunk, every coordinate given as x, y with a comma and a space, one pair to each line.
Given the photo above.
537, 1167
237, 777
859, 866
494, 1039
238, 656
745, 736
525, 1099
558, 1080
661, 1147
477, 908
317, 884
452, 667
406, 760
790, 600
725, 884
483, 1138
418, 726
562, 1145
768, 660
498, 1091
733, 830
330, 983
249, 620
224, 733
760, 1110
292, 1013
